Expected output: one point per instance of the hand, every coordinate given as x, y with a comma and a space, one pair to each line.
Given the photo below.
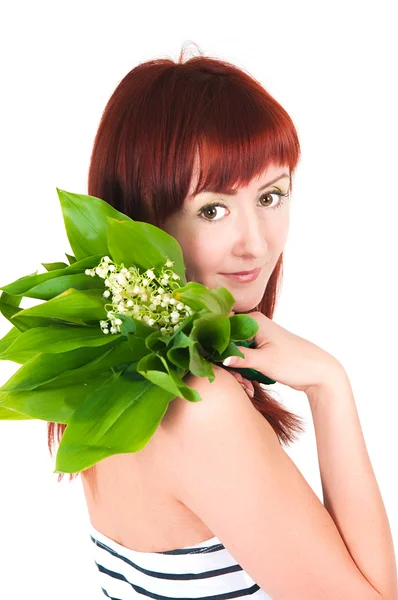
287, 358
245, 383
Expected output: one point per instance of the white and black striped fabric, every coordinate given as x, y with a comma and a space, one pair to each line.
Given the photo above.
205, 571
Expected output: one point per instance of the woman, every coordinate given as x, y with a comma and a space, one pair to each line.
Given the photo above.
213, 507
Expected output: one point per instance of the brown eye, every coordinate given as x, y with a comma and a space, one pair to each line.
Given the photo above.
269, 197
280, 198
211, 210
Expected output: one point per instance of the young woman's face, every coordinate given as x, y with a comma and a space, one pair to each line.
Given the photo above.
223, 233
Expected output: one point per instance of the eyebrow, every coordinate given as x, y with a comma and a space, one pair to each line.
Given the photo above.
234, 192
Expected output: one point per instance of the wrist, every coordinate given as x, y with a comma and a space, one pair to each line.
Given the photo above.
335, 379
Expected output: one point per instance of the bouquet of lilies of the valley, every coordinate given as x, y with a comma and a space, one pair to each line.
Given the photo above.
118, 331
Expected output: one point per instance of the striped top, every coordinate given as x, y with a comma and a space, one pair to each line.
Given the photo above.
203, 571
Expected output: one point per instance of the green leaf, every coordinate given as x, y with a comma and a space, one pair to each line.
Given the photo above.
32, 283
155, 368
128, 324
119, 418
156, 341
152, 368
9, 338
242, 327
230, 350
198, 365
86, 224
54, 266
119, 357
144, 245
71, 259
212, 331
131, 373
140, 328
7, 414
54, 287
51, 403
42, 368
52, 339
178, 354
192, 294
27, 322
72, 305
9, 305
198, 297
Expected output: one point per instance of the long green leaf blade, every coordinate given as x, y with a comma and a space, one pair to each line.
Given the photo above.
86, 224
242, 327
25, 285
72, 305
119, 418
7, 414
218, 300
9, 339
212, 331
9, 305
54, 266
43, 368
52, 339
144, 245
51, 403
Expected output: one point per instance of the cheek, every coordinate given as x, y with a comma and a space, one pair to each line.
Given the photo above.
277, 235
203, 254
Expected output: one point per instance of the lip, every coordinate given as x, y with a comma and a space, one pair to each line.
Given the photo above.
243, 276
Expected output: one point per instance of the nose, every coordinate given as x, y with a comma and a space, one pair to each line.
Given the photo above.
252, 236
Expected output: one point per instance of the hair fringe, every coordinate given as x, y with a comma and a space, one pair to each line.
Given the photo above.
158, 118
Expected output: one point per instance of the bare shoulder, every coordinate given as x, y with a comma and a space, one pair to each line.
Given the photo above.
225, 463
220, 397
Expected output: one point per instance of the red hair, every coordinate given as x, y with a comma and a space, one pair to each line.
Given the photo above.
159, 117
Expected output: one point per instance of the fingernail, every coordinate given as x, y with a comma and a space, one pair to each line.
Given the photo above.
227, 361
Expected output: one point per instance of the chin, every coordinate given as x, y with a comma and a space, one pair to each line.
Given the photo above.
245, 307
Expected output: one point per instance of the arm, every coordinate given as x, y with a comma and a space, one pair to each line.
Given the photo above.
224, 462
350, 491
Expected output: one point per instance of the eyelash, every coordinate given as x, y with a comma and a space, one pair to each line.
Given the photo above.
214, 204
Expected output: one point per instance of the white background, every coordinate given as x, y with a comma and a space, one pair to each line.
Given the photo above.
331, 66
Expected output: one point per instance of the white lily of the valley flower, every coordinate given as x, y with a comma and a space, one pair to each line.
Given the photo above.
137, 294
121, 279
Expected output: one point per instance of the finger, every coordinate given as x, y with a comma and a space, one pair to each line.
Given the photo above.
238, 361
237, 376
245, 383
248, 384
248, 391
